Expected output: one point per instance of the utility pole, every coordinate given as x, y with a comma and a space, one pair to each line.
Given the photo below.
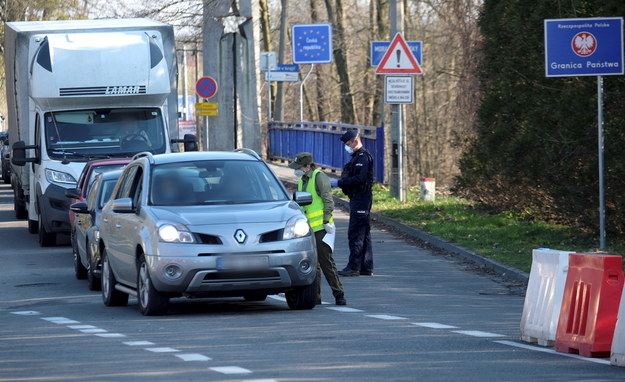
398, 189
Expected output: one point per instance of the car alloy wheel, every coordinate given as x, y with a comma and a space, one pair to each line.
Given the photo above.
151, 301
110, 295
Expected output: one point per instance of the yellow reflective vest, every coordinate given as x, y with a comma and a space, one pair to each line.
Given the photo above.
314, 211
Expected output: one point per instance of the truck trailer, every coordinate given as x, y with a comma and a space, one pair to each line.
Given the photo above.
79, 90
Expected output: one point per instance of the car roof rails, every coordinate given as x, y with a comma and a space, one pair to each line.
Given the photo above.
249, 152
144, 154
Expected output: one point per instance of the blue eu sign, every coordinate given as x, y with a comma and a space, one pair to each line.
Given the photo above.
584, 47
312, 43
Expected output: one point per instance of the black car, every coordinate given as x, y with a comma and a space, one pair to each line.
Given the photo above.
5, 159
86, 227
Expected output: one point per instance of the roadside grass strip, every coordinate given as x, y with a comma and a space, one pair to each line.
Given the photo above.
477, 333
434, 325
193, 357
385, 317
601, 361
230, 370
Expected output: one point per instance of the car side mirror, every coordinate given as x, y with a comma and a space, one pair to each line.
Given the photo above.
123, 206
19, 154
190, 143
72, 193
302, 198
79, 207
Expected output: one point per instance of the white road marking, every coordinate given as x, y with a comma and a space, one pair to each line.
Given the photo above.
552, 351
385, 317
344, 309
276, 297
434, 325
259, 380
26, 313
138, 343
230, 370
77, 327
111, 335
93, 331
162, 350
60, 320
193, 357
477, 333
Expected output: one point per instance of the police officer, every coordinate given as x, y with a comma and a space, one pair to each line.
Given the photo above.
356, 182
319, 215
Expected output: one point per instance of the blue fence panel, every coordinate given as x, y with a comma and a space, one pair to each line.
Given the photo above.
322, 139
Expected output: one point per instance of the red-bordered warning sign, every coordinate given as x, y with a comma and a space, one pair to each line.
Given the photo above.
398, 59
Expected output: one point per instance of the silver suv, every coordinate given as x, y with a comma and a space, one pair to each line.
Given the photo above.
205, 224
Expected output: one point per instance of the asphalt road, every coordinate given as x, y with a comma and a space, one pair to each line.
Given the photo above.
422, 317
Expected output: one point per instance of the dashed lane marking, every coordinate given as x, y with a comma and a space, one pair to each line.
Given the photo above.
26, 313
434, 325
162, 350
552, 351
344, 309
231, 370
193, 357
138, 343
80, 327
385, 317
60, 320
477, 333
93, 331
259, 380
277, 297
111, 335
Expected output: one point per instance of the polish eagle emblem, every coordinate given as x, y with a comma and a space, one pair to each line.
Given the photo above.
584, 44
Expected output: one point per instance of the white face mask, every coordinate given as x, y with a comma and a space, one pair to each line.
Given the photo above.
299, 173
349, 150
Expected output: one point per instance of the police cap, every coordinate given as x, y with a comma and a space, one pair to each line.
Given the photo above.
349, 135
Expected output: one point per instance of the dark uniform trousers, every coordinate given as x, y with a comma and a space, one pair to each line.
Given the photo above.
359, 232
325, 263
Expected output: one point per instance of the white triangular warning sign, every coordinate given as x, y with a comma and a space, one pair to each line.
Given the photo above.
398, 59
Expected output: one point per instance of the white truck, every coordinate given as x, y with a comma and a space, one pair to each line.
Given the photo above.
82, 90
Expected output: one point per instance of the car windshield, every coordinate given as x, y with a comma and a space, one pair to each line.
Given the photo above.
106, 189
214, 182
88, 134
97, 170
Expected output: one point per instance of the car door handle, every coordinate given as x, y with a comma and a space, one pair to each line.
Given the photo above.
117, 225
106, 220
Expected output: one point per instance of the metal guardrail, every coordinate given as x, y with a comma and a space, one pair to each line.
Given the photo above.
322, 140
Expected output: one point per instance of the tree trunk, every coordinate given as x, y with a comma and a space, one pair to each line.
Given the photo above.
283, 24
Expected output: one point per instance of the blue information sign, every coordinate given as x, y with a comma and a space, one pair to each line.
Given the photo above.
584, 47
286, 68
378, 48
312, 43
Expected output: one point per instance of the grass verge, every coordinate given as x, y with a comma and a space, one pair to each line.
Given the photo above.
506, 237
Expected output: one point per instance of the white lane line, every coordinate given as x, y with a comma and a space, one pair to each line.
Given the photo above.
276, 297
138, 343
77, 327
111, 335
552, 351
259, 380
230, 370
60, 320
193, 357
162, 350
385, 317
344, 309
477, 333
434, 325
26, 313
93, 331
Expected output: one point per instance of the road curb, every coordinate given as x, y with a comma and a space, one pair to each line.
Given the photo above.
438, 243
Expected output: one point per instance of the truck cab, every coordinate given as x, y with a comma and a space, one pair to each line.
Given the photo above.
83, 90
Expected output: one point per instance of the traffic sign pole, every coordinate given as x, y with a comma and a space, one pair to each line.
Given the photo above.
601, 180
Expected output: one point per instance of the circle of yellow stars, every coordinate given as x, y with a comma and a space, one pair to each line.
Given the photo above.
313, 32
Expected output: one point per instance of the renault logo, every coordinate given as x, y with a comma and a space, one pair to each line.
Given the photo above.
240, 236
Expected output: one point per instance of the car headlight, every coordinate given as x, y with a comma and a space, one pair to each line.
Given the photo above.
175, 233
297, 226
54, 176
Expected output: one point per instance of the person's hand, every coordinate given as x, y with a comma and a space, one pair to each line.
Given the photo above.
329, 227
334, 183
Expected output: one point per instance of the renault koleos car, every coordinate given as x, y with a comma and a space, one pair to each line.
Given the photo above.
205, 224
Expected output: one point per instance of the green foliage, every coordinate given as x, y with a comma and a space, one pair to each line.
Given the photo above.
536, 144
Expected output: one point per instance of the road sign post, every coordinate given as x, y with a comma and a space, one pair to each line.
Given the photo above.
312, 44
587, 47
206, 87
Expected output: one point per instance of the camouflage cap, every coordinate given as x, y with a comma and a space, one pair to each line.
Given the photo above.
301, 160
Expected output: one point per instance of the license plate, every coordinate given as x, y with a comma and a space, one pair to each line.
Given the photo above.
242, 263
